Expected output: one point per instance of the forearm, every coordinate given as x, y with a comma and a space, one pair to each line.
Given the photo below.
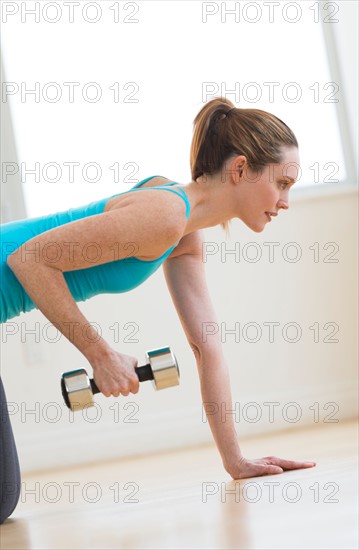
47, 288
217, 403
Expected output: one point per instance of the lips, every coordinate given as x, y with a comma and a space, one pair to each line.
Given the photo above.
270, 214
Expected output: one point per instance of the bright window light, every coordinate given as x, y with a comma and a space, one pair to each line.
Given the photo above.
106, 100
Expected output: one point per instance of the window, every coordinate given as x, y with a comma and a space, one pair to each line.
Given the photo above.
109, 99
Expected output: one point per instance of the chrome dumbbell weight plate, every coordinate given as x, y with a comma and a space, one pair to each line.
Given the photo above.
164, 367
76, 390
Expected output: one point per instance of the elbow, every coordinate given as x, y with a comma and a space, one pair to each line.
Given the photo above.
206, 353
15, 260
196, 352
12, 259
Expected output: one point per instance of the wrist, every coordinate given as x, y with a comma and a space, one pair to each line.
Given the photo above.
232, 460
96, 351
235, 466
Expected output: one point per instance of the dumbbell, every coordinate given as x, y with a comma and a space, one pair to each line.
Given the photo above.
161, 367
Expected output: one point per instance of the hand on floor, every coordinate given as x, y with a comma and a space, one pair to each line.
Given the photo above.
268, 465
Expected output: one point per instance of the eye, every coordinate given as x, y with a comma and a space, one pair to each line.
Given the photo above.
284, 184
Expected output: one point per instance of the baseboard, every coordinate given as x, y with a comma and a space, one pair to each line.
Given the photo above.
73, 445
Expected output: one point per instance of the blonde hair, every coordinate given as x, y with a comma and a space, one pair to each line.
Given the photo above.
256, 134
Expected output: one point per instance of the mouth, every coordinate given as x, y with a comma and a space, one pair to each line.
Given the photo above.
270, 214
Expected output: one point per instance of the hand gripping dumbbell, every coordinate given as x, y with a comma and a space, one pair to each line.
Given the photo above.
161, 367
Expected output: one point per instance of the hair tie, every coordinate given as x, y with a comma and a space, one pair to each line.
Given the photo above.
231, 109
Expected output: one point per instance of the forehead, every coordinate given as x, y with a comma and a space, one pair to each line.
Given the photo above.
290, 154
289, 165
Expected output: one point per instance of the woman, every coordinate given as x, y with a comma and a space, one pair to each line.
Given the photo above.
243, 163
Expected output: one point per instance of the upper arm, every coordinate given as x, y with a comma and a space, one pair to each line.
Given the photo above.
186, 281
134, 229
192, 243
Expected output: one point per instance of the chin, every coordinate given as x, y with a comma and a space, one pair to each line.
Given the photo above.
258, 228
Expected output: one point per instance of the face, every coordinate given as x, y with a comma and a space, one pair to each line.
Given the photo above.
266, 194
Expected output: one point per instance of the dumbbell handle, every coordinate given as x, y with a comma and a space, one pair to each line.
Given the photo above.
144, 373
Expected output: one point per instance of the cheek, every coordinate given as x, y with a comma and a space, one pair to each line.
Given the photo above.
269, 198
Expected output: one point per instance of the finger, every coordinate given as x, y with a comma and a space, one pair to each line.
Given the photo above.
104, 390
264, 468
271, 470
290, 464
135, 388
134, 385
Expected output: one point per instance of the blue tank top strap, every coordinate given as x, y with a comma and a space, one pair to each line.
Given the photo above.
145, 181
180, 192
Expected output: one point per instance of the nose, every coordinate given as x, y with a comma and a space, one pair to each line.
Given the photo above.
283, 203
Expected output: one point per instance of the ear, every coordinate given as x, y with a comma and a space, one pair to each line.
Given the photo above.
239, 165
235, 168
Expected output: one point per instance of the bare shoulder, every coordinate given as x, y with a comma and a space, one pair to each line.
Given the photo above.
160, 218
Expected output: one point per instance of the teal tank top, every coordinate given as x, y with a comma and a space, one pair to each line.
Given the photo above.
112, 277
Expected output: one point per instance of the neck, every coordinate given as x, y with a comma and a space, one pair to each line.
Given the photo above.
212, 203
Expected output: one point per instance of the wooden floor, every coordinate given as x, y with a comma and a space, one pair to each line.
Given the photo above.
186, 500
